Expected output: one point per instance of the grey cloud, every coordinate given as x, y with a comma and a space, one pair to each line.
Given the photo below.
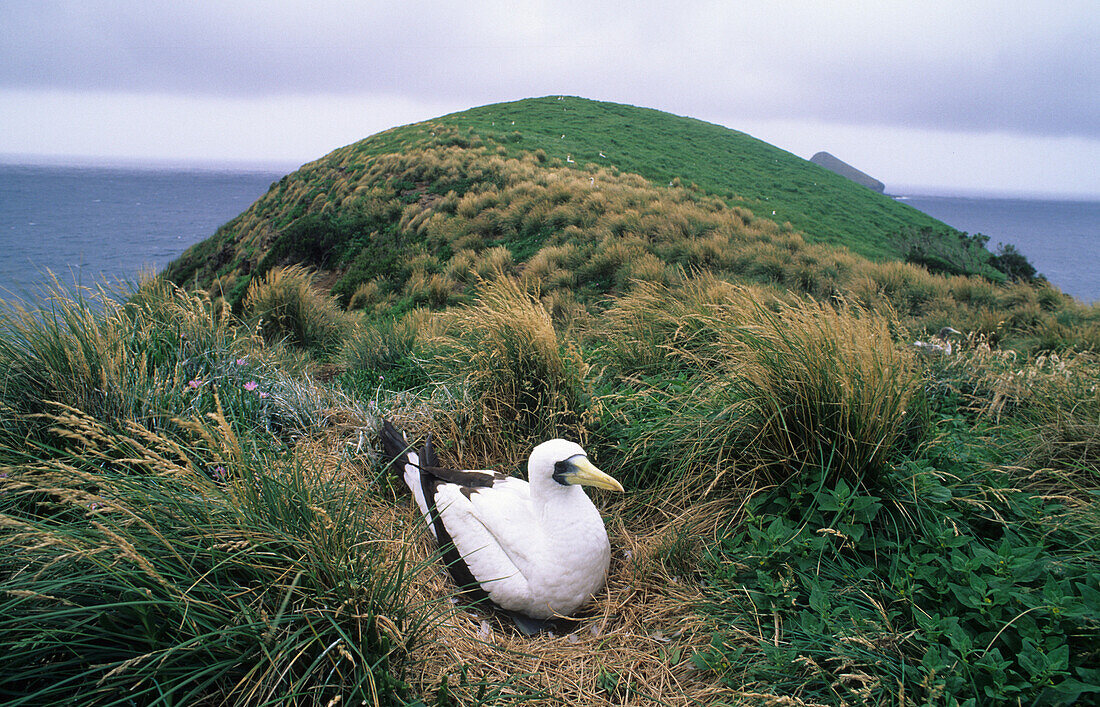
776, 62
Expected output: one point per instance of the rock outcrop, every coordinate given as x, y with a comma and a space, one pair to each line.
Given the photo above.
824, 159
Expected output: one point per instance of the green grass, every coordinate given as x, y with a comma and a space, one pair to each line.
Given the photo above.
737, 167
349, 212
424, 216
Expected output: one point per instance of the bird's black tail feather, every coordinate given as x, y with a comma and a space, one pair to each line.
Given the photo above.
395, 447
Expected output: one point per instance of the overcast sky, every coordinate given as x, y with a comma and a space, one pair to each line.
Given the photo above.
954, 96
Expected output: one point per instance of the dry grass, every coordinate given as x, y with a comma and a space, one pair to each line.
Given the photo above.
631, 645
1059, 396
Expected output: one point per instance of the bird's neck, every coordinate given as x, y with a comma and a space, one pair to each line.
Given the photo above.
565, 505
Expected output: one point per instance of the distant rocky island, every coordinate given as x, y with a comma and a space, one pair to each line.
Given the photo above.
824, 159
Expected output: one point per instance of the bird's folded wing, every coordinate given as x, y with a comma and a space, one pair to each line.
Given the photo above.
487, 542
506, 512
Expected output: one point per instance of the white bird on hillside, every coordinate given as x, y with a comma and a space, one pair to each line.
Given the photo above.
569, 159
938, 345
602, 155
537, 549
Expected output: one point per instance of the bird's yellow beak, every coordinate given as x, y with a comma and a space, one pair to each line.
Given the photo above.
585, 473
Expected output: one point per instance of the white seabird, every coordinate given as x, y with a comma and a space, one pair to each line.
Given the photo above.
537, 549
938, 345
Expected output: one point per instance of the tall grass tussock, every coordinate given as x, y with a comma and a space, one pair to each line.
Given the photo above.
288, 308
765, 385
516, 382
165, 577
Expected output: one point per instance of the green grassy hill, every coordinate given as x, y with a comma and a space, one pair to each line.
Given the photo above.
737, 167
350, 204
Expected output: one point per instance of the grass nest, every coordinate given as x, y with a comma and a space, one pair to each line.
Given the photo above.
632, 644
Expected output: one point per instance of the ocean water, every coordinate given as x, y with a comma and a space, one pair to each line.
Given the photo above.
94, 224
90, 225
1060, 238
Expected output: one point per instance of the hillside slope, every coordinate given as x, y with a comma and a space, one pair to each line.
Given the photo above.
352, 212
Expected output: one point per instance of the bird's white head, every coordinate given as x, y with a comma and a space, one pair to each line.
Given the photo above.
561, 463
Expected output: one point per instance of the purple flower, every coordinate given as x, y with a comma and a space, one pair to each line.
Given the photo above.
251, 386
194, 383
219, 473
240, 361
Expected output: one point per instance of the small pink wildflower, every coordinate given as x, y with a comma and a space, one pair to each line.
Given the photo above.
251, 386
219, 473
240, 361
263, 394
194, 383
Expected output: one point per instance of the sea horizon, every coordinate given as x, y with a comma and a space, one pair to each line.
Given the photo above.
11, 159
894, 191
191, 209
902, 193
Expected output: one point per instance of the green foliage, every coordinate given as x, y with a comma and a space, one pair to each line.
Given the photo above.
945, 253
927, 588
1013, 264
315, 240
